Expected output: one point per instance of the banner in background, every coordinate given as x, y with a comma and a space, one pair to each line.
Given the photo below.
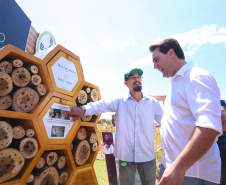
108, 142
14, 25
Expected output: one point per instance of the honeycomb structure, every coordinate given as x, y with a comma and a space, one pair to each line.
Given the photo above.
53, 131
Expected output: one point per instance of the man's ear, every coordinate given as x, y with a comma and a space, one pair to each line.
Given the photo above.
171, 53
125, 82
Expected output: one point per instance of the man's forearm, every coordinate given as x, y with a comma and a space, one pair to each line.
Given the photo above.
200, 142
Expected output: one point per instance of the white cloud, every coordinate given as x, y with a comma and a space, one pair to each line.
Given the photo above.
192, 40
116, 45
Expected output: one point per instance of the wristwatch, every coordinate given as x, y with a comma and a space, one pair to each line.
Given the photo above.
82, 107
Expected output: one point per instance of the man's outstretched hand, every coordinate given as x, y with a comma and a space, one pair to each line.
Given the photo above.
75, 113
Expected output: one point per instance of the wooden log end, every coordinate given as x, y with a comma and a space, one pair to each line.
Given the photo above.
11, 163
81, 134
6, 67
82, 97
28, 147
24, 100
86, 118
18, 132
6, 134
5, 102
17, 63
6, 84
21, 77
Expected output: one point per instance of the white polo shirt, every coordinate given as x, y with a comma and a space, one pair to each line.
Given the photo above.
193, 100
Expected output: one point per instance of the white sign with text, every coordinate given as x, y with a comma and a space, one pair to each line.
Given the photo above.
65, 74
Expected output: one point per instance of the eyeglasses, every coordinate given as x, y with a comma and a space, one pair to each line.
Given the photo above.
135, 77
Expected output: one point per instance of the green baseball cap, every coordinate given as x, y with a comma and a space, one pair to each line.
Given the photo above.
137, 70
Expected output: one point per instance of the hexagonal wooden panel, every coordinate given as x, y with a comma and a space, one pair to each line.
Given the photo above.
83, 155
25, 141
55, 160
20, 77
87, 90
65, 71
56, 129
85, 176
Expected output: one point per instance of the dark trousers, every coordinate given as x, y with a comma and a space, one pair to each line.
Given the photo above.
146, 170
223, 165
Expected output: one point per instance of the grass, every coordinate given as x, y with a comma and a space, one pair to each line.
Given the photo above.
101, 171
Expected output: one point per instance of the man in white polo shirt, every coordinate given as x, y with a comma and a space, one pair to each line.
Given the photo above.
191, 120
134, 138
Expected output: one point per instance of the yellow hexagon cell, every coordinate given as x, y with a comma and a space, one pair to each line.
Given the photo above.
56, 128
80, 150
65, 71
85, 176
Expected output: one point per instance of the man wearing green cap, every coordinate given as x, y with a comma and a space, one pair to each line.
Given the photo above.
134, 139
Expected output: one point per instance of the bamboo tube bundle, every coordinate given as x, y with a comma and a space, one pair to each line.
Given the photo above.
5, 102
33, 69
86, 118
91, 137
41, 89
25, 99
41, 163
11, 163
50, 158
81, 152
63, 177
6, 84
82, 98
6, 67
21, 77
30, 178
94, 146
81, 134
17, 63
28, 147
46, 175
18, 132
29, 132
6, 134
60, 163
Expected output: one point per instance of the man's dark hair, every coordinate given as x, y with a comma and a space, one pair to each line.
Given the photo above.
167, 44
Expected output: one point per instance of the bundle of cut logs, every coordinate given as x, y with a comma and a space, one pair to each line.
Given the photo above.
16, 145
83, 143
20, 86
49, 169
86, 95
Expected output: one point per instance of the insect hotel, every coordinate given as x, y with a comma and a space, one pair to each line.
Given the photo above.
39, 145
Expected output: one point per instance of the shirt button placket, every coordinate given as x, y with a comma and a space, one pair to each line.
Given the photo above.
135, 127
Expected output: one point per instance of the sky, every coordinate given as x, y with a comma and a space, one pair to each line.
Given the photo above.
113, 37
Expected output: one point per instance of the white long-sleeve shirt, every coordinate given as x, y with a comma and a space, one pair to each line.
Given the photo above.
193, 100
134, 139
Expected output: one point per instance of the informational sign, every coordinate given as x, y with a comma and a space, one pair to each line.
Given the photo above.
14, 25
65, 74
111, 162
56, 124
45, 40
